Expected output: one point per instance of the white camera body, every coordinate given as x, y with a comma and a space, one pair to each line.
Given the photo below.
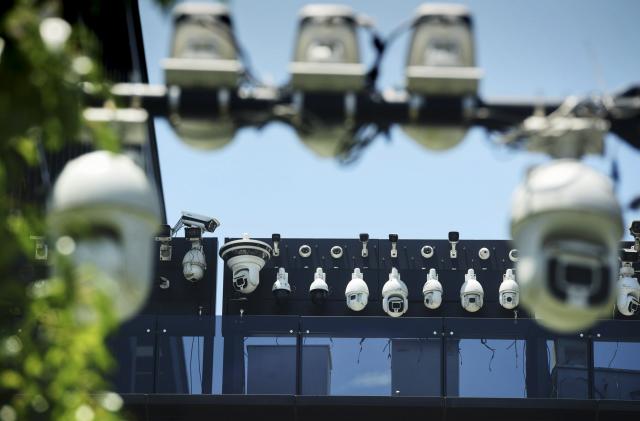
281, 288
319, 290
566, 224
509, 291
395, 295
471, 293
106, 204
628, 300
357, 292
245, 257
194, 263
206, 223
432, 290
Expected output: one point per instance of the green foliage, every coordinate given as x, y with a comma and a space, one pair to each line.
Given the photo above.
52, 331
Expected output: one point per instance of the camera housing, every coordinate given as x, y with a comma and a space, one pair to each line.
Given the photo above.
432, 290
395, 295
566, 223
193, 263
206, 223
471, 293
319, 290
628, 300
427, 251
509, 291
357, 291
245, 257
105, 203
281, 289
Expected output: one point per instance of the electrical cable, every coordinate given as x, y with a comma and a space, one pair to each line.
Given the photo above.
493, 351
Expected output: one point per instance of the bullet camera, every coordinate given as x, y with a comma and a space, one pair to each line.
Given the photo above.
194, 263
471, 293
432, 290
104, 202
357, 291
509, 292
245, 257
319, 290
394, 295
628, 300
281, 289
194, 220
566, 224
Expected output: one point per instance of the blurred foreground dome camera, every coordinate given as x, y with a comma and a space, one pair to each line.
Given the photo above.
319, 290
108, 211
245, 257
203, 56
395, 295
357, 292
566, 223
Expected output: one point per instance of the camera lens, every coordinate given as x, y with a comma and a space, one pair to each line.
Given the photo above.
426, 251
472, 300
304, 251
509, 299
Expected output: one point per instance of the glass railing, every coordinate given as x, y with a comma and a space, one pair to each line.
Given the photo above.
376, 356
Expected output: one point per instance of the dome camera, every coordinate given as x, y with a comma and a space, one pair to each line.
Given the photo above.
426, 251
336, 252
567, 224
194, 263
319, 290
394, 295
509, 292
281, 289
105, 203
628, 291
245, 257
357, 291
304, 250
432, 290
471, 293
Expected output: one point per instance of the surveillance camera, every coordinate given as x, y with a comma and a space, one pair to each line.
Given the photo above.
471, 293
281, 289
394, 295
205, 223
432, 290
484, 253
109, 209
194, 263
245, 257
357, 291
336, 252
509, 292
634, 229
628, 291
426, 252
319, 290
566, 223
304, 250
513, 255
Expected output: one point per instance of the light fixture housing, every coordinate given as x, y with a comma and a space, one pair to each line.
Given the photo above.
204, 54
566, 223
108, 207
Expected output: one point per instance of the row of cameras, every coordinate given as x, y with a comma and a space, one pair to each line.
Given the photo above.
246, 257
566, 223
326, 59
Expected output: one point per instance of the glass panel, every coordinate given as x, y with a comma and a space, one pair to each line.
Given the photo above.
568, 362
617, 370
270, 365
486, 368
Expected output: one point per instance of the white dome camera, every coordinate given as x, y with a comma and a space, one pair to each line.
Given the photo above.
319, 290
281, 289
245, 257
193, 262
566, 224
432, 290
357, 291
471, 293
628, 291
394, 295
109, 209
509, 292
